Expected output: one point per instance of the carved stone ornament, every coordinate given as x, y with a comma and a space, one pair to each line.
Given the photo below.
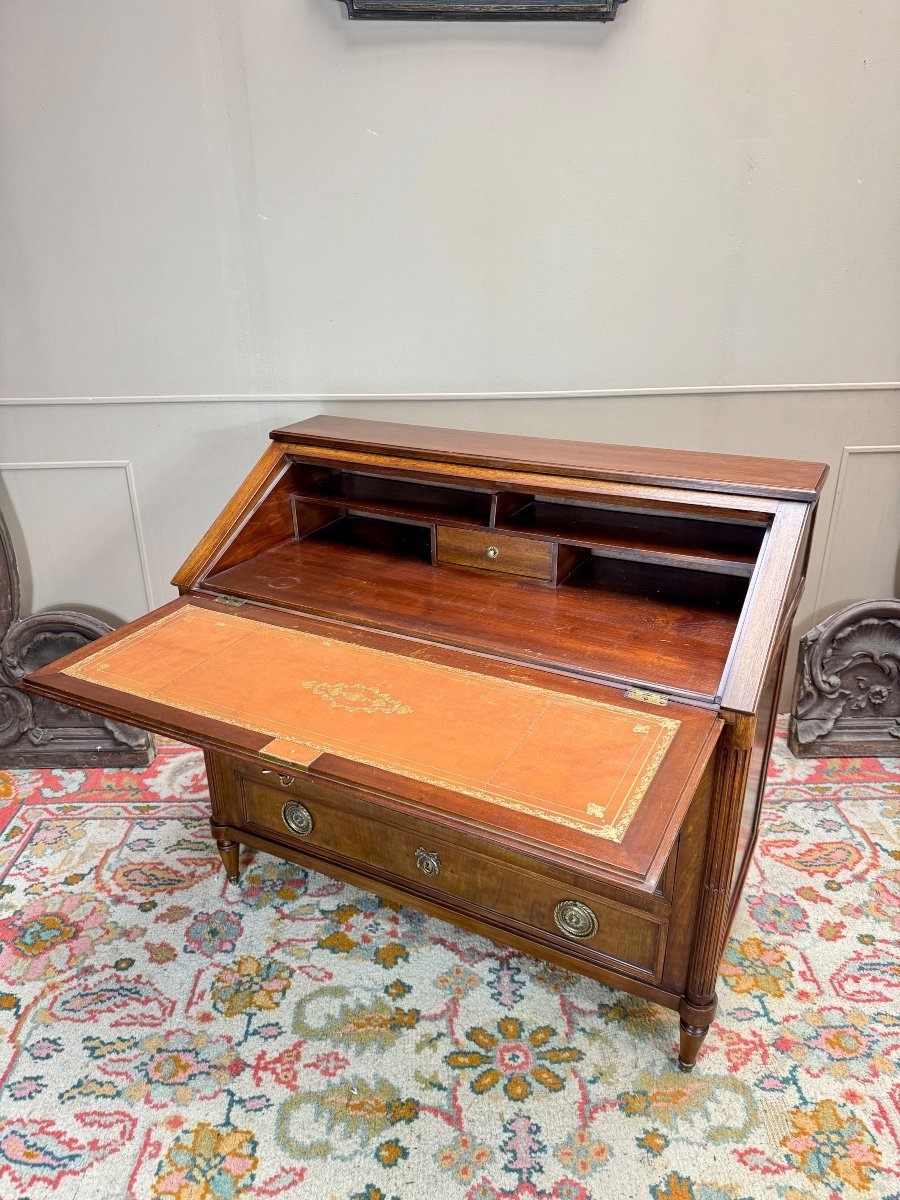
847, 695
483, 10
36, 732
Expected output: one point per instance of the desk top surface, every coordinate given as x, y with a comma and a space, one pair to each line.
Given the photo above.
730, 473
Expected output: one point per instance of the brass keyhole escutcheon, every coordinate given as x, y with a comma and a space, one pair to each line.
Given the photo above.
492, 552
427, 861
575, 919
284, 780
298, 818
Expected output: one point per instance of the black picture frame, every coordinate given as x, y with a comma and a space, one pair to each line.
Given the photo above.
483, 10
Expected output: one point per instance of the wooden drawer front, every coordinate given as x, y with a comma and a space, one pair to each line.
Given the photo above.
494, 552
306, 819
296, 782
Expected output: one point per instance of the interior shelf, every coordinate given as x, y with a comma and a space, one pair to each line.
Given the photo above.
715, 546
398, 498
398, 539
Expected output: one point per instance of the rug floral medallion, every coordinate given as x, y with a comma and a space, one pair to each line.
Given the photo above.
170, 1036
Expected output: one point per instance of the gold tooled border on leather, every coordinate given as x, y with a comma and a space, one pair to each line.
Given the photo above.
90, 670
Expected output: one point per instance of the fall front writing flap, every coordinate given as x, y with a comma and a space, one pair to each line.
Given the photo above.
515, 751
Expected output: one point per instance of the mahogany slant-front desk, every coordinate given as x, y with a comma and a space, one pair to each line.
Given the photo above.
528, 686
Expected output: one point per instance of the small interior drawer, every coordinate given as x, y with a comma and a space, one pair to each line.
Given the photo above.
491, 551
308, 817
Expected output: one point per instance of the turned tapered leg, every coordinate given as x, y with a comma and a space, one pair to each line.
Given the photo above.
695, 1022
230, 852
221, 795
691, 1039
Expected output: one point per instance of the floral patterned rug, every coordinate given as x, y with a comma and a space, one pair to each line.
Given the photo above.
168, 1036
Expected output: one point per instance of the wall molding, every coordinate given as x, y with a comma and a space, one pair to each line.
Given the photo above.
840, 484
122, 465
747, 389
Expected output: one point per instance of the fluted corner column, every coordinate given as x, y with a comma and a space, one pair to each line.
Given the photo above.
698, 1005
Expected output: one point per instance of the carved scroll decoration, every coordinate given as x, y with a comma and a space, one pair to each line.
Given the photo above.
847, 695
36, 732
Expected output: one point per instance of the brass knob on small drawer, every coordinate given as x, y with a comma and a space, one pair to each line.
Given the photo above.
575, 919
298, 818
492, 552
427, 861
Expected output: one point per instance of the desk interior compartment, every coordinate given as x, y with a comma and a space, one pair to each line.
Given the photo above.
644, 535
652, 596
360, 492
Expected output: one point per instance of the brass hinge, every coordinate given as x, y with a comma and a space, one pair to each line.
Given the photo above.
283, 762
647, 697
232, 601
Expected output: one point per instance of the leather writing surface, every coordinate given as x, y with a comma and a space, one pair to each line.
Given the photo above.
583, 763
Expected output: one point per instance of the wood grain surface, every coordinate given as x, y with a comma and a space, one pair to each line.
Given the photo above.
658, 583
593, 624
684, 468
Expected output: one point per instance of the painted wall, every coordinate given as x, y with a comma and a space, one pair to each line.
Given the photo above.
678, 229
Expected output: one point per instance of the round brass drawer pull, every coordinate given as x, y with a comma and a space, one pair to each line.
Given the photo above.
427, 861
492, 552
298, 818
575, 919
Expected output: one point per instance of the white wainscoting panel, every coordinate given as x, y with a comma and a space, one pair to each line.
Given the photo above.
77, 534
858, 564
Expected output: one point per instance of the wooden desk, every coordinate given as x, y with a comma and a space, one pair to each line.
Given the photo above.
527, 686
